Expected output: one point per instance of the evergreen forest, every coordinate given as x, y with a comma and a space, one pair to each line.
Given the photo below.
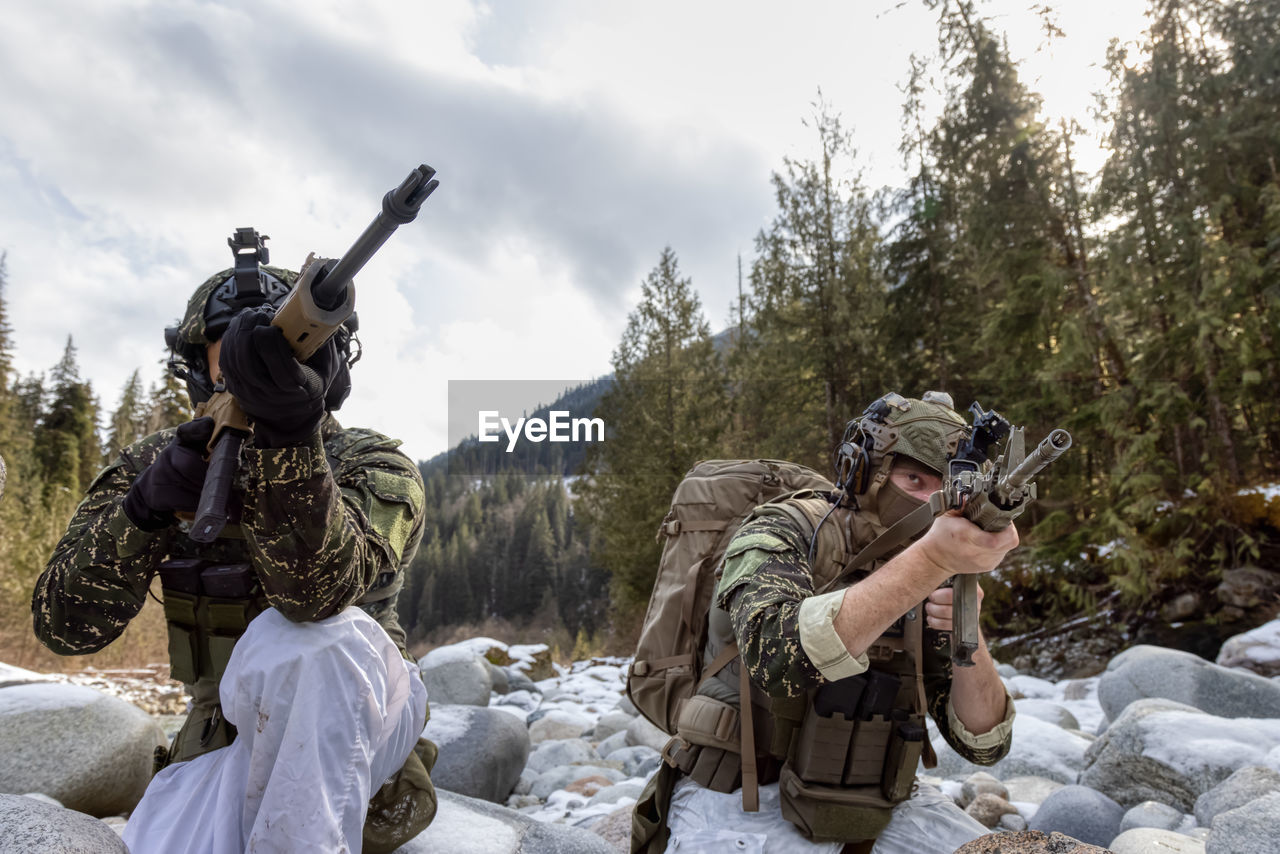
1137, 306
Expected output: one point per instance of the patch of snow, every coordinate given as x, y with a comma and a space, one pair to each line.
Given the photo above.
1107, 548
1180, 740
45, 697
9, 673
1034, 688
523, 653
1269, 491
480, 646
446, 728
451, 654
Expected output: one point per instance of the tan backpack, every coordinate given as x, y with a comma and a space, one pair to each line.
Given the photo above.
708, 507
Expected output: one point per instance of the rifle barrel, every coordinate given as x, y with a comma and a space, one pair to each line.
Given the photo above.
399, 206
1053, 446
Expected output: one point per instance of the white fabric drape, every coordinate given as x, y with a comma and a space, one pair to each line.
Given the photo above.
325, 712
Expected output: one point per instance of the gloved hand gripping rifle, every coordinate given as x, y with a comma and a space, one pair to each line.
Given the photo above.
991, 499
321, 300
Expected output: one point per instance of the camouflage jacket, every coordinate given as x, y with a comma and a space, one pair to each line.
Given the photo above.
762, 587
324, 525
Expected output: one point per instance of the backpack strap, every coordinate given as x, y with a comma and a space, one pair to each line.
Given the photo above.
746, 726
750, 778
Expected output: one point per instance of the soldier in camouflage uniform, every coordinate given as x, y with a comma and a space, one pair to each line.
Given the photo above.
329, 518
794, 639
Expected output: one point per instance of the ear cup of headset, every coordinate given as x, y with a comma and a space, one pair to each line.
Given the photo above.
853, 468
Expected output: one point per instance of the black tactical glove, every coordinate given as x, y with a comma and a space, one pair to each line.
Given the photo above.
173, 481
285, 398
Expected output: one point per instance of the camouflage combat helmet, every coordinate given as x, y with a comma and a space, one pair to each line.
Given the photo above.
223, 295
209, 312
249, 284
927, 430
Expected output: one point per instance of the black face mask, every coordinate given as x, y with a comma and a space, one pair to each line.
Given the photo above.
894, 503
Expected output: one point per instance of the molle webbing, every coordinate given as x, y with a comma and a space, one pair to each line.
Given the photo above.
207, 608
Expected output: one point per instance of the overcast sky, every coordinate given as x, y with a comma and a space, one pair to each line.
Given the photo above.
573, 140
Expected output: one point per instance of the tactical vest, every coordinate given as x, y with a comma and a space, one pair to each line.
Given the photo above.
844, 753
210, 594
208, 603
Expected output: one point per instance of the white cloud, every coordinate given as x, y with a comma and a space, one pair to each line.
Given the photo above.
574, 140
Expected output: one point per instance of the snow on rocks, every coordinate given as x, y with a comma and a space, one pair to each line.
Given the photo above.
455, 675
10, 675
1039, 749
90, 751
1151, 671
30, 826
467, 826
482, 751
1257, 650
1169, 752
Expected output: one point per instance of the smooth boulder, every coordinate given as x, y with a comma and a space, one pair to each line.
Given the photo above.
568, 751
1248, 829
1080, 813
1161, 750
482, 751
468, 826
455, 675
556, 725
28, 826
1152, 814
640, 731
90, 751
1143, 672
1244, 785
1146, 840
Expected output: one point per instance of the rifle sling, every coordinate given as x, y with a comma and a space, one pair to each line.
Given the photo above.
904, 529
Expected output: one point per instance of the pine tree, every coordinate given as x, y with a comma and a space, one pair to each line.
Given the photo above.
168, 405
667, 408
129, 421
810, 357
66, 439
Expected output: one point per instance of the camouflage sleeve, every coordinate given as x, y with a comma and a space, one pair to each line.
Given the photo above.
766, 577
984, 749
319, 542
98, 576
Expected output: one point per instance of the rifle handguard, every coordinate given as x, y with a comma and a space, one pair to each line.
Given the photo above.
211, 515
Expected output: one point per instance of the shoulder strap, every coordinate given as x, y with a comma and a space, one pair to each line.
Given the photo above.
904, 529
750, 777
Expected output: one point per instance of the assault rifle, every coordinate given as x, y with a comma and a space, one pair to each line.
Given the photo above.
991, 499
321, 300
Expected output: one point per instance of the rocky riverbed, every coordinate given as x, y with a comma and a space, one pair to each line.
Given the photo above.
1164, 751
